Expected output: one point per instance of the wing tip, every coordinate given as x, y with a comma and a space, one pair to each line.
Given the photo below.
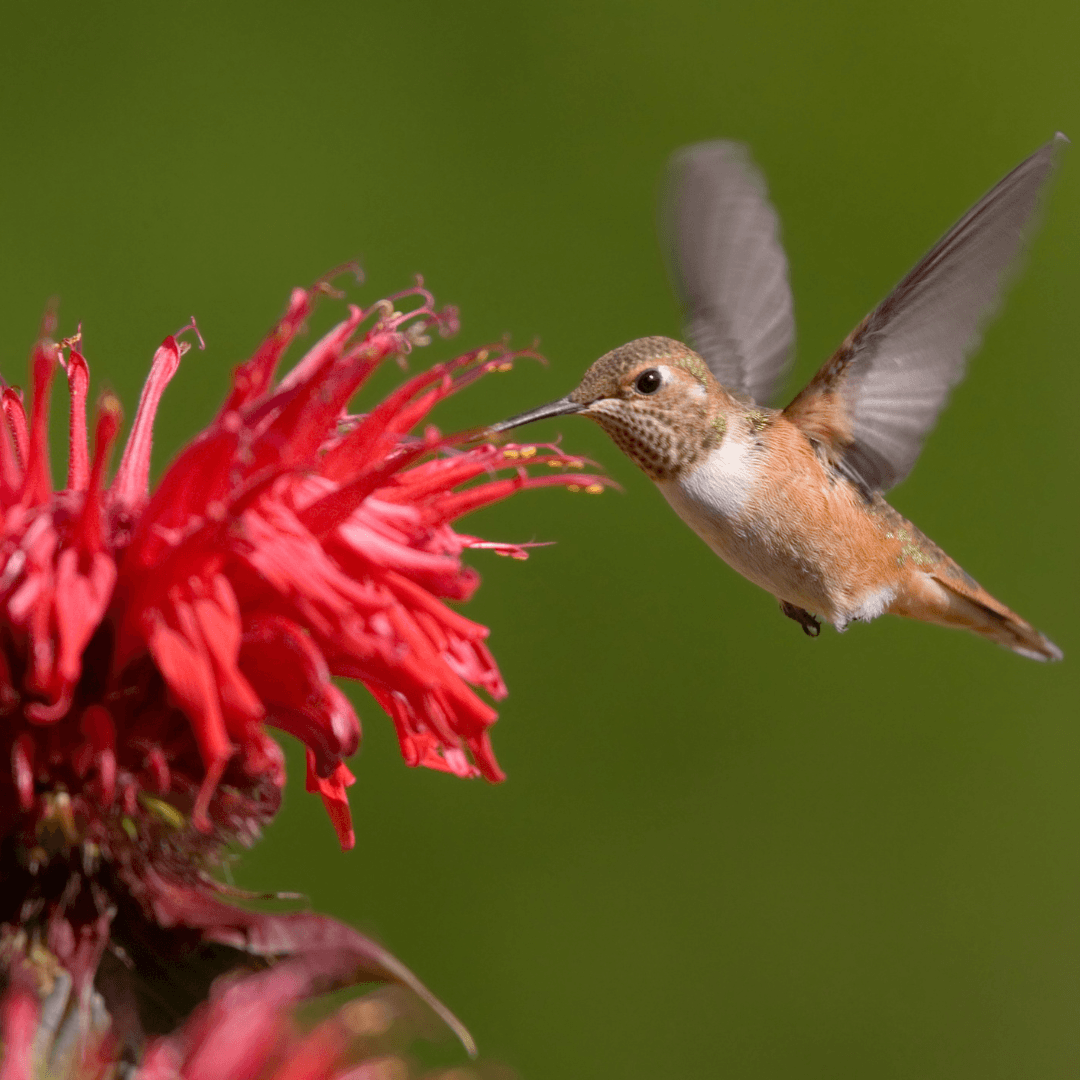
1053, 150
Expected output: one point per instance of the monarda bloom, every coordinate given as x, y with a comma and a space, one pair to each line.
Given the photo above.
148, 639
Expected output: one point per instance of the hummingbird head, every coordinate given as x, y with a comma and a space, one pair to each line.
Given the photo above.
655, 397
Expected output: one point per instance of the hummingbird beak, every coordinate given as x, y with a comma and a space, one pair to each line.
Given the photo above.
562, 407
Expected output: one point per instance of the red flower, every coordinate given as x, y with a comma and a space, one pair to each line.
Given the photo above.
150, 637
147, 640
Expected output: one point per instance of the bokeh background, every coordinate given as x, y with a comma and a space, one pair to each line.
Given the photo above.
724, 849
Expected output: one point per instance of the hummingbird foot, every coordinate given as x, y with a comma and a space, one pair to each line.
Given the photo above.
811, 626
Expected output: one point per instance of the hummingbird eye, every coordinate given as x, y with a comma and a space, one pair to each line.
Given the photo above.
648, 382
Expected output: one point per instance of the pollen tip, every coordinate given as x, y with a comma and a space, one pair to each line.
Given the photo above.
74, 340
110, 415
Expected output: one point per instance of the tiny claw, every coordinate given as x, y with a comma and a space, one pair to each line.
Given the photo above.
811, 626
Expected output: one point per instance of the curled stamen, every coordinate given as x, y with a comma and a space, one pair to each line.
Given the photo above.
194, 327
324, 284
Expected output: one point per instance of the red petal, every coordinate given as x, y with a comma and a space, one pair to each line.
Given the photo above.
131, 484
332, 790
18, 1022
252, 379
78, 376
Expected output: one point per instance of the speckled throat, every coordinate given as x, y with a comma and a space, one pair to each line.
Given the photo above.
661, 442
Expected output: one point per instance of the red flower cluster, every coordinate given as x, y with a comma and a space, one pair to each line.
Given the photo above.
149, 638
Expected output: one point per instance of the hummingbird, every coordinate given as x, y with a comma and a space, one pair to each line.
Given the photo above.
793, 498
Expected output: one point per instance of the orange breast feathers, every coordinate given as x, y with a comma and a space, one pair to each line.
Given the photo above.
838, 546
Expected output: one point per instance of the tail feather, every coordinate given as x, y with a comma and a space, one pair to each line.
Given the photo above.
952, 598
984, 615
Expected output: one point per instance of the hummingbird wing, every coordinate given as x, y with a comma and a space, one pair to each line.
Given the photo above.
872, 404
727, 265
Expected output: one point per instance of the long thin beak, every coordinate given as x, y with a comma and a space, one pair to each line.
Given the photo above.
562, 407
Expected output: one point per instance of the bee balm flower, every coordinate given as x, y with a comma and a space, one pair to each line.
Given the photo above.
148, 638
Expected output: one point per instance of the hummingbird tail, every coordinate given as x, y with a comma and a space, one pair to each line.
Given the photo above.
950, 597
1008, 629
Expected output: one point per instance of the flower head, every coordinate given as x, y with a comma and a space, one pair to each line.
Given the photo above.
148, 638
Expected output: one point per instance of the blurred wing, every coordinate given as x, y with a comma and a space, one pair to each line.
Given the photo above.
874, 401
728, 267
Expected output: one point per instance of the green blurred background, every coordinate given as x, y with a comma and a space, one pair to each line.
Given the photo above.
723, 849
